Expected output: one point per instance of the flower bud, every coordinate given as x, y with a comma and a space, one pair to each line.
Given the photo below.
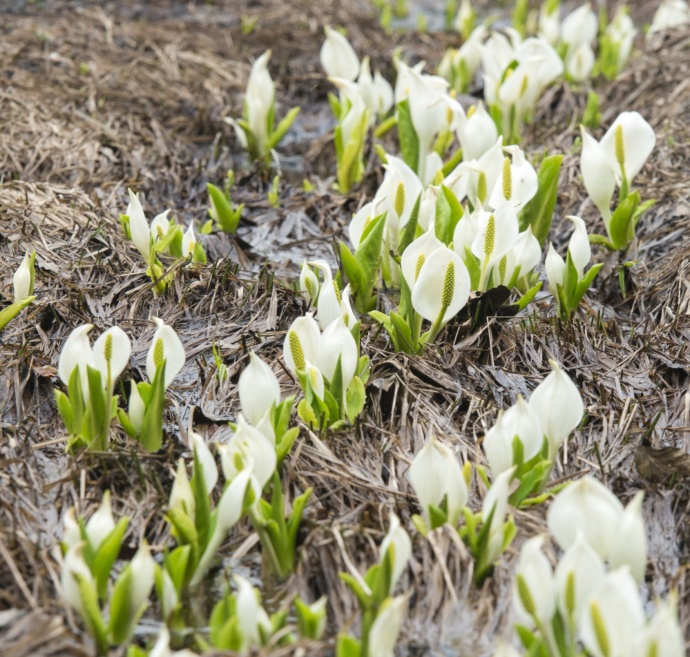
559, 406
338, 58
23, 279
399, 542
259, 389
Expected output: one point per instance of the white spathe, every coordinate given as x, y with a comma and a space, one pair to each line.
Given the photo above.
587, 507
338, 57
578, 573
629, 547
22, 281
397, 540
302, 343
435, 474
534, 573
559, 405
442, 286
613, 617
101, 523
165, 345
258, 388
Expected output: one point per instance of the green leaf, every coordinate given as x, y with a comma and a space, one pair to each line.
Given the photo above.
351, 268
151, 437
404, 332
453, 162
355, 398
97, 412
335, 105
409, 142
347, 646
368, 257
222, 210
528, 296
448, 213
282, 128
621, 228
10, 312
202, 513
64, 408
177, 564
92, 613
104, 559
585, 282
122, 617
473, 268
307, 414
539, 211
126, 424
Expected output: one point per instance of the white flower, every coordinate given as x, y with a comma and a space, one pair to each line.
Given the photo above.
229, 511
258, 388
181, 495
259, 99
497, 233
496, 503
521, 421
377, 92
435, 475
338, 58
663, 635
308, 283
397, 540
534, 595
101, 523
138, 226
629, 547
598, 174
476, 133
613, 617
359, 222
579, 248
76, 352
248, 449
188, 241
586, 506
579, 62
252, 619
442, 287
558, 404
329, 302
165, 346
71, 533
517, 183
580, 26
208, 464
74, 567
386, 628
143, 573
555, 270
671, 13
136, 408
23, 279
628, 143
578, 574
111, 354
337, 344
301, 343
524, 254
160, 225
416, 254
549, 24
